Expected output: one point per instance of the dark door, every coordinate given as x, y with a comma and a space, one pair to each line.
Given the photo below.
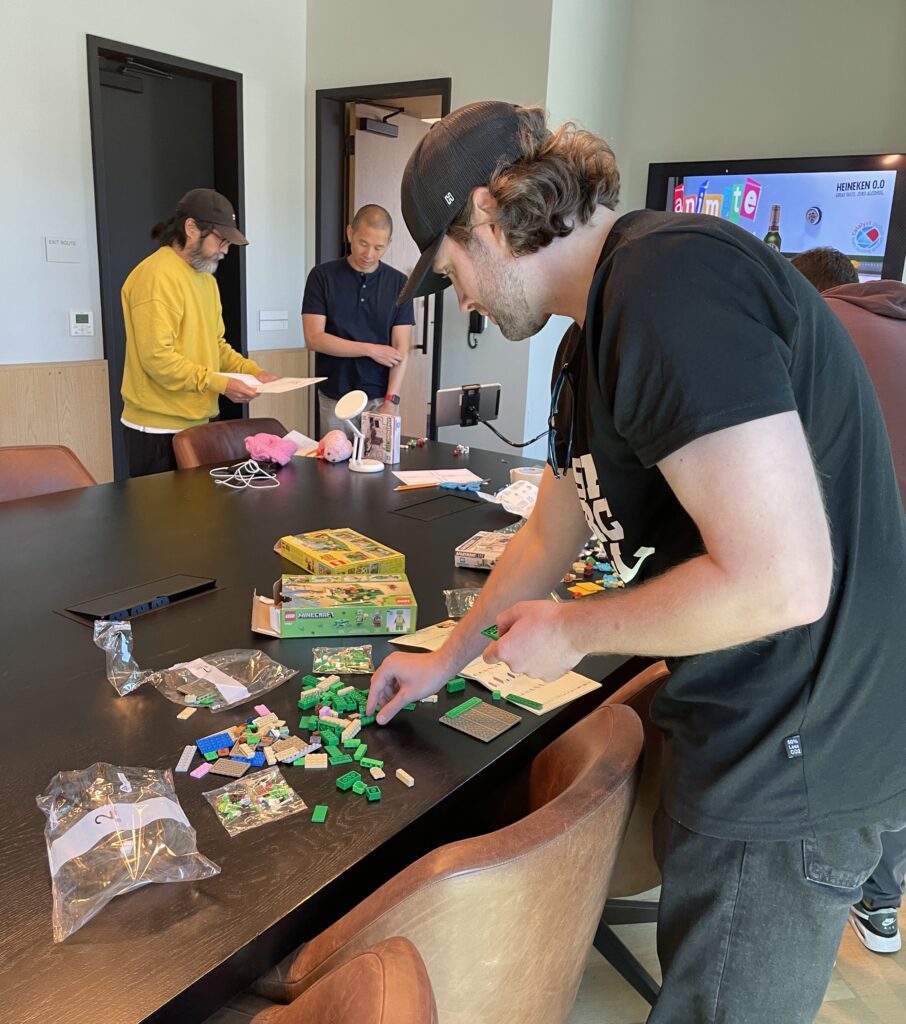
159, 128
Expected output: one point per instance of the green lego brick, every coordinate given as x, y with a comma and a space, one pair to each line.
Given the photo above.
333, 751
211, 755
523, 701
338, 759
359, 787
346, 781
359, 752
367, 720
338, 685
319, 814
491, 631
495, 695
456, 684
409, 707
310, 682
299, 762
373, 793
371, 762
461, 709
306, 703
309, 722
352, 744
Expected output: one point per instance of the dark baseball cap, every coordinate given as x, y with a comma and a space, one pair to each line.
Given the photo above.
206, 204
458, 154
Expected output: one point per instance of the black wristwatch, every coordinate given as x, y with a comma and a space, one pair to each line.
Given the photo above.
394, 399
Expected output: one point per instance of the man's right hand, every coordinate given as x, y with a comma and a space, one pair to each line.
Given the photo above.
385, 355
403, 678
237, 391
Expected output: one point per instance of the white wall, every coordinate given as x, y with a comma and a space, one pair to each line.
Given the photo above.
46, 174
490, 51
715, 79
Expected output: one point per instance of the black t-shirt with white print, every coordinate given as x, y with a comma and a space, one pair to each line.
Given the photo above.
693, 326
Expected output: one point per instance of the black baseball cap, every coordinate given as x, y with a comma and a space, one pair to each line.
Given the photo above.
206, 204
458, 154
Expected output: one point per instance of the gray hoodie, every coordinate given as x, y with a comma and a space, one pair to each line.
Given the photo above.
874, 313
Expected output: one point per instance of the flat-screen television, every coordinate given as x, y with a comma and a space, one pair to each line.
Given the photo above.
856, 204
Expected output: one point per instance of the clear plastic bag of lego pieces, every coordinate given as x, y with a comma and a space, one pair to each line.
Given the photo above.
254, 800
216, 681
342, 661
460, 601
111, 830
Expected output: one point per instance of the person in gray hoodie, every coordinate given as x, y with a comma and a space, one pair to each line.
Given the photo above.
874, 314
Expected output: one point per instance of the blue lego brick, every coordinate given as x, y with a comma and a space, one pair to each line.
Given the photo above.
218, 742
258, 761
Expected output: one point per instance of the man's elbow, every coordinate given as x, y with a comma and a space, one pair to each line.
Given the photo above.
807, 596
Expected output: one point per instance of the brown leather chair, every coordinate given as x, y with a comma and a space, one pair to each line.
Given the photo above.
223, 441
29, 470
636, 870
504, 921
386, 984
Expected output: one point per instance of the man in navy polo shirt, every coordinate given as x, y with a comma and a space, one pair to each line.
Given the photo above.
351, 319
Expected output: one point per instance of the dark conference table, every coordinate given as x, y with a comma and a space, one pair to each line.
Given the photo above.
175, 952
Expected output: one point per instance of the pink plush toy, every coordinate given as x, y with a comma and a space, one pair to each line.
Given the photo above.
270, 448
334, 446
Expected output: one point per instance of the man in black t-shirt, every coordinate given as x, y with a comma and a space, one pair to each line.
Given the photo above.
724, 442
351, 320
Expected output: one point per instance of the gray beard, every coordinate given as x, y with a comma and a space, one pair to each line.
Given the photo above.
204, 266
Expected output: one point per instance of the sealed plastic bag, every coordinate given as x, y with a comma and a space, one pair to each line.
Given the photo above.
460, 601
216, 681
342, 661
111, 830
255, 800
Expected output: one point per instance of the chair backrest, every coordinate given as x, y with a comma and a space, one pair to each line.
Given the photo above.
504, 921
636, 870
386, 984
223, 441
29, 470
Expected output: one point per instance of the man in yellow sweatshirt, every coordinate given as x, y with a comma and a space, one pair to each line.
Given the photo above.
177, 357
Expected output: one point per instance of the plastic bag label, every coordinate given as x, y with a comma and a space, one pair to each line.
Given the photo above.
228, 688
102, 821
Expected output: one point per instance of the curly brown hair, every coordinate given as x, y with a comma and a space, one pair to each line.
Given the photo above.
560, 179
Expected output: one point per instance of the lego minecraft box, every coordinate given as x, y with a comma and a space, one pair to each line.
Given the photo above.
339, 553
382, 437
318, 606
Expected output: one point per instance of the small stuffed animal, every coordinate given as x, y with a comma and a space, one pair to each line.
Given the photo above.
270, 448
334, 446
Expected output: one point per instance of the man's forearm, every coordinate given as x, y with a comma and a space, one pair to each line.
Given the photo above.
397, 375
331, 345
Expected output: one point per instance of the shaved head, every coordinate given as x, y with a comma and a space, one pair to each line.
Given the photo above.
373, 216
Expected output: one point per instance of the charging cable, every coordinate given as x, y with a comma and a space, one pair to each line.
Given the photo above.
246, 474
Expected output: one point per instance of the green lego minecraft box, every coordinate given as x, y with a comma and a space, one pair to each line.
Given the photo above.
319, 606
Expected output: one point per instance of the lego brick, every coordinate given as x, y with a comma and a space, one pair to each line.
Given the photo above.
352, 744
270, 756
185, 758
482, 721
431, 699
376, 773
410, 707
514, 698
456, 685
495, 695
316, 760
333, 750
344, 782
186, 713
371, 762
358, 787
257, 760
261, 709
200, 771
227, 766
461, 709
215, 742
211, 755
351, 730
405, 778
491, 632
319, 814
366, 720
345, 690
373, 793
359, 752
339, 759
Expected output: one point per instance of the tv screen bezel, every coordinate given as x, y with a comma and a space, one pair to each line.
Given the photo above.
659, 175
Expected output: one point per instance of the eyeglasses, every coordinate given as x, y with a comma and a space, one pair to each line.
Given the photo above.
223, 244
563, 377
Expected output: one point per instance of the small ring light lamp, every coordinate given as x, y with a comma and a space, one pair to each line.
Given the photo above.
349, 407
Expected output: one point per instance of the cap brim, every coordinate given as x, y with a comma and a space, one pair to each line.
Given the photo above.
423, 280
232, 234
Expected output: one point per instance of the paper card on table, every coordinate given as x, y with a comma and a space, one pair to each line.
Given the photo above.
275, 387
431, 638
304, 445
549, 695
436, 476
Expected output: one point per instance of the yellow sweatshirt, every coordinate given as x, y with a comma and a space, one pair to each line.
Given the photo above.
176, 355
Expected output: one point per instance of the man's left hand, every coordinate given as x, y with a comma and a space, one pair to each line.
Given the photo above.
266, 377
534, 640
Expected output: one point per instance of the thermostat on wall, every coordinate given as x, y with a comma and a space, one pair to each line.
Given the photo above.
81, 325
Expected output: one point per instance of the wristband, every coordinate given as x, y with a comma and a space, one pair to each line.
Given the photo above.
393, 399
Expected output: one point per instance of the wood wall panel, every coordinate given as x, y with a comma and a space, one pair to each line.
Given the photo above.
59, 403
295, 409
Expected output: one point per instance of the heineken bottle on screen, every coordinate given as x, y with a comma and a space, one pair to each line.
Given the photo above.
772, 238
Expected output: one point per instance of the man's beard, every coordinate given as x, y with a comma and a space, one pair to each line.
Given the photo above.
204, 265
504, 296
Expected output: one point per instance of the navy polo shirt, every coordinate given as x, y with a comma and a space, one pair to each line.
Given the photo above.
358, 307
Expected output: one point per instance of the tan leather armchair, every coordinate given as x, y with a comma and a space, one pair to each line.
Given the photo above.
504, 921
223, 441
636, 870
386, 984
29, 470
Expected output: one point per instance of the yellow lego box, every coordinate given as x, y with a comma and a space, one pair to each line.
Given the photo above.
342, 552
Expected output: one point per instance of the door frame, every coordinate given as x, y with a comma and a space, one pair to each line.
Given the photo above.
332, 186
229, 178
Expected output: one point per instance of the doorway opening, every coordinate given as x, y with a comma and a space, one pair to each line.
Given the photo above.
160, 125
356, 162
